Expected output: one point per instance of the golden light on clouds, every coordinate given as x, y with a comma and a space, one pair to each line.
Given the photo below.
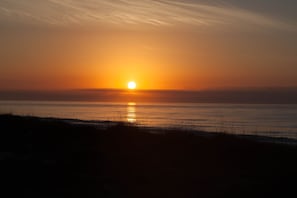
132, 12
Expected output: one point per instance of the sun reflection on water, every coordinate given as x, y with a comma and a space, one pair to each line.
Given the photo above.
131, 112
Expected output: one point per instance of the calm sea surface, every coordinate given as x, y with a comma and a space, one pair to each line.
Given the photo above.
267, 120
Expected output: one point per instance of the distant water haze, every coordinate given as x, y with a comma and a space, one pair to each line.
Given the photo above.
268, 112
273, 120
245, 96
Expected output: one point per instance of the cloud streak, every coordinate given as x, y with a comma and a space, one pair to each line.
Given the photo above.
152, 12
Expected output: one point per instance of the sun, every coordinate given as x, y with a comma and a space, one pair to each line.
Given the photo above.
131, 85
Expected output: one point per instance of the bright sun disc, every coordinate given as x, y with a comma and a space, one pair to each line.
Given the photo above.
131, 85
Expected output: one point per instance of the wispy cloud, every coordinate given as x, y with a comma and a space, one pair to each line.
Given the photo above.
153, 12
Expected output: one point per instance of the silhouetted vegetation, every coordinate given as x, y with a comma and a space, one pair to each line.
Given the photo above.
42, 157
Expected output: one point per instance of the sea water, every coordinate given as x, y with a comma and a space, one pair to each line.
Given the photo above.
272, 120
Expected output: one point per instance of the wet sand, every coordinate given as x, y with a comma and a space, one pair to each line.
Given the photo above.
42, 157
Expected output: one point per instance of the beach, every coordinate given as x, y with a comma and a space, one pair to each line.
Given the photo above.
47, 157
148, 99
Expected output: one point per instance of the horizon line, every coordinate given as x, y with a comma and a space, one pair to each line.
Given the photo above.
136, 90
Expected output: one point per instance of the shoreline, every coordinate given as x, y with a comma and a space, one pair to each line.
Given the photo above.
264, 120
49, 157
105, 124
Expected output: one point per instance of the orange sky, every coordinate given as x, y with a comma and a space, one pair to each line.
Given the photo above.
161, 53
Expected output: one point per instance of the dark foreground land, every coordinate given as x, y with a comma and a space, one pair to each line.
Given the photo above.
52, 158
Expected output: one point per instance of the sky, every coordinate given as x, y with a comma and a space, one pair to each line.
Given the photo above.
160, 44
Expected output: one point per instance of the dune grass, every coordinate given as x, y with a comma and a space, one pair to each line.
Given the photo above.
42, 157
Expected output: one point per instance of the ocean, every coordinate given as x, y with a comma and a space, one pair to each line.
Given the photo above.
272, 120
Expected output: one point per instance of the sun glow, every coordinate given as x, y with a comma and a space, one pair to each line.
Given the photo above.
132, 85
